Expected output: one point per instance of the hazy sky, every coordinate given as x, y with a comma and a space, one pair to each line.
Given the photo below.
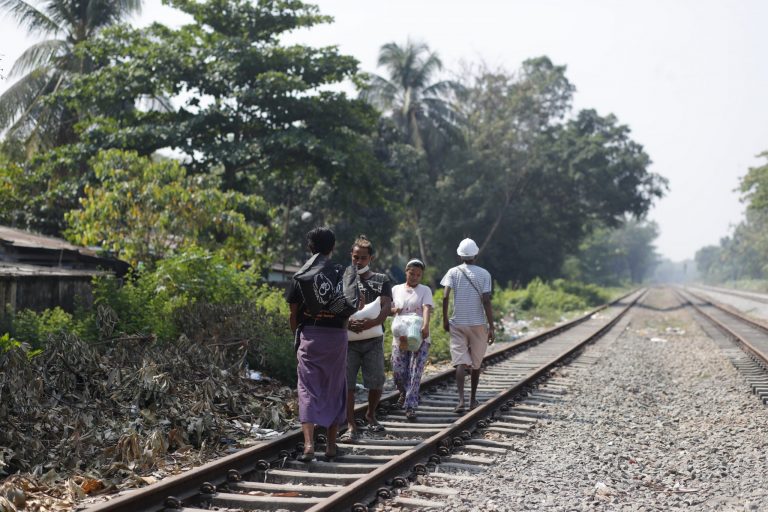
689, 77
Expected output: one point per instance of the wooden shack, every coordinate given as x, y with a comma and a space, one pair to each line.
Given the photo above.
40, 272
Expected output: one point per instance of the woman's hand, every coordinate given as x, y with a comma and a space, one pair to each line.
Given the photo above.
425, 331
396, 311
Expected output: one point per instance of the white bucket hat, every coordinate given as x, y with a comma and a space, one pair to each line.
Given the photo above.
467, 248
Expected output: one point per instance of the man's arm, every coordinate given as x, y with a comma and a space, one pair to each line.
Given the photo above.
386, 309
488, 307
446, 300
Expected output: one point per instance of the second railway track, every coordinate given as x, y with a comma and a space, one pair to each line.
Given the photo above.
412, 463
745, 340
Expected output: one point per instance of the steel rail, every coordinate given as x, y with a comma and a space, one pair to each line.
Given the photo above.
187, 485
361, 489
746, 345
751, 296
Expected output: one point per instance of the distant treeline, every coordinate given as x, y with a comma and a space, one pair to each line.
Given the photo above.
744, 254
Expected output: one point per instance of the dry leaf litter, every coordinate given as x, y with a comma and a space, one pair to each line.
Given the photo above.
85, 419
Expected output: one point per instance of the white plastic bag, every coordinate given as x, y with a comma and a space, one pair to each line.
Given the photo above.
371, 310
408, 326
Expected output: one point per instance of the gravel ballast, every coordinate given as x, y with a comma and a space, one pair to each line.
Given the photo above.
661, 421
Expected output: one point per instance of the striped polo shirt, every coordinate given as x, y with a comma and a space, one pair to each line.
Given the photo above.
467, 303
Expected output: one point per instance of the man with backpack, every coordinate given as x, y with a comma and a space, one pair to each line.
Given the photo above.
471, 325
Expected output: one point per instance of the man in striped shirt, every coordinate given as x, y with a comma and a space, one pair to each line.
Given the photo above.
471, 325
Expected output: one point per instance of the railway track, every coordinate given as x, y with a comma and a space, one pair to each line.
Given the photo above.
750, 296
745, 342
413, 463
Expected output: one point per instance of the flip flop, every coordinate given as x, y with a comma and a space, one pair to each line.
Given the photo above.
473, 404
350, 436
338, 453
410, 414
306, 457
459, 409
375, 427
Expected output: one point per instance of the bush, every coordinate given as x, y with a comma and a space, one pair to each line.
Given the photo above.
549, 301
35, 328
148, 300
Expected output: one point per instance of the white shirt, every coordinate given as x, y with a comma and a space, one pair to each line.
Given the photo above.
411, 300
467, 302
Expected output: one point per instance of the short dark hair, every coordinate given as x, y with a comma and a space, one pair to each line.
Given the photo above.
363, 243
321, 240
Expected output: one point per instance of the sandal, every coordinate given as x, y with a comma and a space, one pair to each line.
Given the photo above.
473, 404
307, 456
375, 427
459, 409
410, 414
350, 436
400, 401
337, 453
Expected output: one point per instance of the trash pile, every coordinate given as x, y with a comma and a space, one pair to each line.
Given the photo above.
86, 418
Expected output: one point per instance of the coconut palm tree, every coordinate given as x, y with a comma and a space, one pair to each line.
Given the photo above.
422, 109
49, 65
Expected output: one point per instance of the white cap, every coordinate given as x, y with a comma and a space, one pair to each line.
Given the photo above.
467, 248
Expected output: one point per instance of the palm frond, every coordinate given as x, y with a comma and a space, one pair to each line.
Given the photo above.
443, 88
43, 125
18, 98
380, 92
402, 62
102, 13
424, 69
39, 54
29, 17
445, 112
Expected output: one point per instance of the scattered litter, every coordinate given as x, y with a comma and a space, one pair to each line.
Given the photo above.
254, 375
603, 490
658, 340
675, 330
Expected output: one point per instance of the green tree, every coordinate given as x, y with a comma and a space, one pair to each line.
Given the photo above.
143, 211
742, 255
422, 110
533, 181
259, 114
613, 256
48, 66
420, 105
510, 122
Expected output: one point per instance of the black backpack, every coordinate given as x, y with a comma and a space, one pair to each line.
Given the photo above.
328, 287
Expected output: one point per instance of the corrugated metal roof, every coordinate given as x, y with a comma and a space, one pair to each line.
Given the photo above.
21, 238
8, 269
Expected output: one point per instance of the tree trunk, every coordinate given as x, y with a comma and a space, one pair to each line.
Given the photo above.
497, 221
420, 237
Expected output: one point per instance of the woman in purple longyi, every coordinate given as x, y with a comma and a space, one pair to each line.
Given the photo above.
322, 359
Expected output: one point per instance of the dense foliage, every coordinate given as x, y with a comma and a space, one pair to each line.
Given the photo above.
218, 142
743, 255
